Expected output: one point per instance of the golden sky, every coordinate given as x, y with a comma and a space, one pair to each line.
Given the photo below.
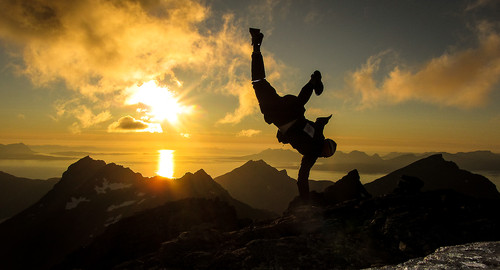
398, 75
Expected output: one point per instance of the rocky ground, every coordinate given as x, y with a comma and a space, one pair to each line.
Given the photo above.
479, 255
355, 234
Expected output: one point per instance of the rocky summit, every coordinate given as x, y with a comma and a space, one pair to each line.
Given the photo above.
326, 234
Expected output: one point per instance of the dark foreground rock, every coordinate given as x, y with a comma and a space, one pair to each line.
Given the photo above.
143, 233
479, 255
353, 234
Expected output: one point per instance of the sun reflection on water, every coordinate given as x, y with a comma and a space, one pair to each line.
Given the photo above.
166, 163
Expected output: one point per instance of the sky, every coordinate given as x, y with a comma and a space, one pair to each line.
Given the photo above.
399, 75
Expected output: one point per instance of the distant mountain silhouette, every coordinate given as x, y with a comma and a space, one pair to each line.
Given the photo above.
475, 161
15, 150
91, 196
263, 186
275, 156
21, 151
17, 193
437, 173
364, 163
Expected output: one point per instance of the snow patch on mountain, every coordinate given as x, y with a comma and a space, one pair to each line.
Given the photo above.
112, 220
75, 202
106, 185
123, 204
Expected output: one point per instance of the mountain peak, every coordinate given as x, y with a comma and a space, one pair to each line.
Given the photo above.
85, 163
15, 149
256, 162
437, 173
201, 173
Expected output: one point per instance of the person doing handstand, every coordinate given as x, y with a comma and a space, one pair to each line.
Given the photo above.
287, 113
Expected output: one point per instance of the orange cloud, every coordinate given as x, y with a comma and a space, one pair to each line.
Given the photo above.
248, 132
99, 48
85, 116
459, 78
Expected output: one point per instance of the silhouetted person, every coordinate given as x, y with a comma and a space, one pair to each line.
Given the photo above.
287, 113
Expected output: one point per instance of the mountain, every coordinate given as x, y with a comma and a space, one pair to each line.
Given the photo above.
143, 233
15, 150
17, 193
341, 161
437, 173
91, 196
476, 161
263, 186
22, 151
275, 156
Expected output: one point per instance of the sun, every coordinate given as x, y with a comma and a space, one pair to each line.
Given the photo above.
160, 103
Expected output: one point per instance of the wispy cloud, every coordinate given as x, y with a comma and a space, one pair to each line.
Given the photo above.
481, 4
248, 132
458, 78
85, 117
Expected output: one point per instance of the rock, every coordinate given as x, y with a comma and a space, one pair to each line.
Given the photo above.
409, 185
351, 234
479, 255
347, 188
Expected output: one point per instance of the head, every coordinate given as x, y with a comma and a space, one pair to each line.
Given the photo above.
329, 148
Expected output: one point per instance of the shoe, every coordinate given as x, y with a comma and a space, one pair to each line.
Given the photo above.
257, 36
316, 82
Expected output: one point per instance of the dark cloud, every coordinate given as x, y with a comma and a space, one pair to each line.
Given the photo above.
130, 124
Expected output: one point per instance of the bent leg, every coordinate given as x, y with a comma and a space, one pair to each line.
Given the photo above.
305, 93
303, 178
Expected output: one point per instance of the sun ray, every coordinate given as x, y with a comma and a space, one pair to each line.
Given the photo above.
160, 103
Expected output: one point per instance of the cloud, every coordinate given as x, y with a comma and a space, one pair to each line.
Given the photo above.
248, 132
459, 78
472, 5
99, 48
130, 124
84, 115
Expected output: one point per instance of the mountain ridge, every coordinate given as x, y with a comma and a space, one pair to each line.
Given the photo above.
18, 193
437, 173
263, 186
91, 196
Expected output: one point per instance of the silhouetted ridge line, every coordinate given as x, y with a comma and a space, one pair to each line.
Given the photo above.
90, 197
437, 173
